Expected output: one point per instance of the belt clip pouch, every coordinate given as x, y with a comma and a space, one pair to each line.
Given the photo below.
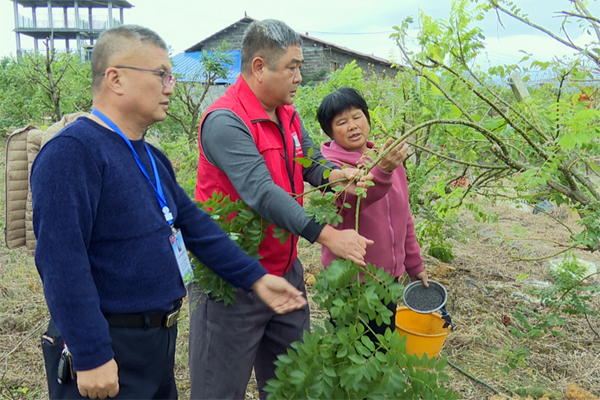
52, 347
65, 366
63, 371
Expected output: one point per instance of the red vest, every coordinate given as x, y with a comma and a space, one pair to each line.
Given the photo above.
240, 99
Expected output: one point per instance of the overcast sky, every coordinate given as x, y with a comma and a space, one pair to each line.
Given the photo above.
362, 25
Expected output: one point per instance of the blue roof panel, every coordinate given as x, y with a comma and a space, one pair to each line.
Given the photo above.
188, 67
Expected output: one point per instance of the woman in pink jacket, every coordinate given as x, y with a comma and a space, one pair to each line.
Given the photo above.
385, 215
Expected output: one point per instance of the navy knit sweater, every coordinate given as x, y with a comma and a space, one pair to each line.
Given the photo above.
103, 242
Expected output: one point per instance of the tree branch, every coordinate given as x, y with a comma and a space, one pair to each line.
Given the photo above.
508, 120
496, 5
425, 149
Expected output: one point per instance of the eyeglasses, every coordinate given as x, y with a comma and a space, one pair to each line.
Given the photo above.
167, 79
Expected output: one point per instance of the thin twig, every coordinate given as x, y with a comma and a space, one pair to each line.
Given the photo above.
487, 385
425, 149
581, 280
590, 325
359, 198
572, 14
557, 221
544, 30
545, 257
556, 242
24, 339
8, 389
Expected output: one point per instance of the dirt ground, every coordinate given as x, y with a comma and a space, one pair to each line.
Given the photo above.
484, 285
483, 291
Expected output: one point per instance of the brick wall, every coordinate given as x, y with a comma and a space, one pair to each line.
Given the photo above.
232, 35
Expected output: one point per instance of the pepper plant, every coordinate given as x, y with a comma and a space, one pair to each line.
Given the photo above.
341, 361
246, 228
334, 361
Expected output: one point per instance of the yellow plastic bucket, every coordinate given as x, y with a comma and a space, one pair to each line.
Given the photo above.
424, 332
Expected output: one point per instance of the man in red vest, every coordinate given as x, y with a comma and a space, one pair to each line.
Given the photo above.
249, 140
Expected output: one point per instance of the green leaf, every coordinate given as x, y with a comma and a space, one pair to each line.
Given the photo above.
381, 357
357, 359
305, 162
521, 277
362, 350
285, 359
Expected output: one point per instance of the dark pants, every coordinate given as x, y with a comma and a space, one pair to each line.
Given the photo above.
381, 329
373, 324
227, 341
376, 328
145, 358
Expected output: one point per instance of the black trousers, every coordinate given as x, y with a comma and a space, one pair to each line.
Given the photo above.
381, 329
373, 324
145, 358
227, 341
376, 328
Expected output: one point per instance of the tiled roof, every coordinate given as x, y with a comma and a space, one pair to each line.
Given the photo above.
199, 45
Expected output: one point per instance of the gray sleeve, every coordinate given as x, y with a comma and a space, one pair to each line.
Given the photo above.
314, 173
228, 144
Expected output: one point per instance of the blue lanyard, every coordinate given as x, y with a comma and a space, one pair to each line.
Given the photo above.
160, 194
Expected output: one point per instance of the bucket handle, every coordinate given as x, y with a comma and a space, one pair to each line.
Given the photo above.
446, 317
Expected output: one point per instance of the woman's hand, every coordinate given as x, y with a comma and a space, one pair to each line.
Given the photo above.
351, 174
421, 276
395, 157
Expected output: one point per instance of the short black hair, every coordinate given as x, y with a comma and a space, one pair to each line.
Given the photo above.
268, 39
337, 102
116, 40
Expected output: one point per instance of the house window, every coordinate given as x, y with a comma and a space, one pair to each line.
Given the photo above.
334, 66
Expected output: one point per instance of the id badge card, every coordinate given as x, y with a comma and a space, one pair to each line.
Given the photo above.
181, 255
297, 145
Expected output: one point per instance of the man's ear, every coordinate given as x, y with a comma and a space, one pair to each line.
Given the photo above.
259, 67
113, 78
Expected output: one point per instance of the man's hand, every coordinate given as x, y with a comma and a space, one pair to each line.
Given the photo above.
278, 294
421, 276
348, 174
395, 157
346, 243
100, 382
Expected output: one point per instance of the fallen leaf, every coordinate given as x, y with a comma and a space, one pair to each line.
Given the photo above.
309, 279
574, 392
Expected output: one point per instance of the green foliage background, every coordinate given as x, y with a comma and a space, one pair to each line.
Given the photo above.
24, 95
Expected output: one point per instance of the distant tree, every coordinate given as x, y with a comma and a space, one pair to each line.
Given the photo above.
541, 147
18, 104
191, 90
471, 137
60, 76
37, 86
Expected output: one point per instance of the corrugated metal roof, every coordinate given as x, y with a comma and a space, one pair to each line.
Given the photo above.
188, 67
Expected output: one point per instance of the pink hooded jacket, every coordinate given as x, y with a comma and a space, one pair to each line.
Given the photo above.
385, 216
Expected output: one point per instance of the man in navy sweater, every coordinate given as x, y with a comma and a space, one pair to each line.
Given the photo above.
110, 220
